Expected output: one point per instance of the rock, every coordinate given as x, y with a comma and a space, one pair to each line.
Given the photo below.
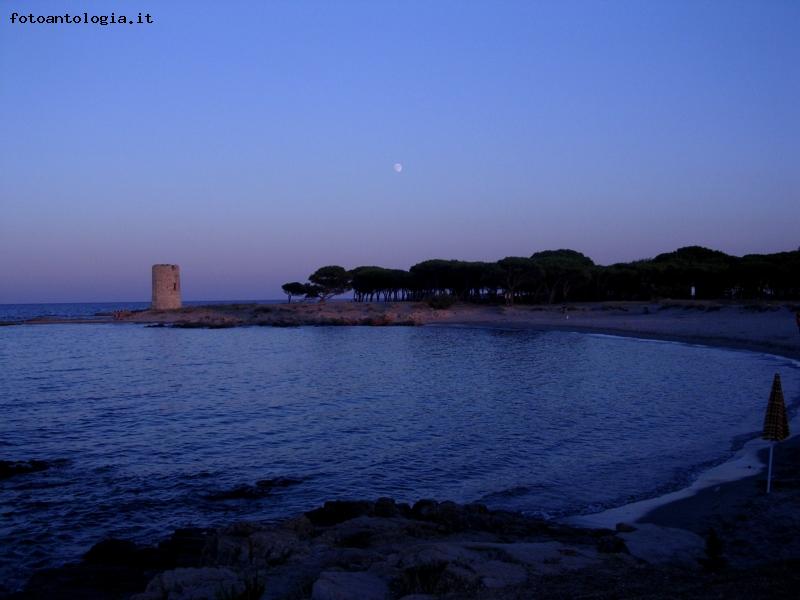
429, 574
425, 509
301, 527
544, 557
659, 545
338, 511
624, 528
184, 548
361, 538
341, 585
458, 577
116, 568
113, 552
348, 550
499, 574
386, 508
450, 514
84, 581
438, 568
367, 531
232, 549
476, 508
439, 552
275, 547
208, 583
262, 547
611, 544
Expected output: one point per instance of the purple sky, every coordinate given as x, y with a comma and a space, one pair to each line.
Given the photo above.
252, 142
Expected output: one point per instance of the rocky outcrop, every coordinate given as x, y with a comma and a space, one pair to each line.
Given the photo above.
343, 550
385, 550
286, 315
346, 585
194, 584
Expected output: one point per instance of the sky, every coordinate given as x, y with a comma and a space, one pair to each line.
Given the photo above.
251, 142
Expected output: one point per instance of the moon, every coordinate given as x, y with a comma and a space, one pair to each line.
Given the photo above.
398, 167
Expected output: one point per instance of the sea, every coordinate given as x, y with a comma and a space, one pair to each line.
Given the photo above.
149, 429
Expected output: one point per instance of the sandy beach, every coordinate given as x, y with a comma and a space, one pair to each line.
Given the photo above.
767, 328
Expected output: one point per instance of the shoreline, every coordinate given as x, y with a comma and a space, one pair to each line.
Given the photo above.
757, 327
748, 461
694, 340
664, 536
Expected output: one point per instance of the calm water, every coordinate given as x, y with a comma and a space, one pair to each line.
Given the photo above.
150, 421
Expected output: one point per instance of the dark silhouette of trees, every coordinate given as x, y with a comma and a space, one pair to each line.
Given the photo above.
567, 274
294, 288
624, 281
519, 275
468, 281
708, 271
768, 275
558, 276
329, 281
371, 283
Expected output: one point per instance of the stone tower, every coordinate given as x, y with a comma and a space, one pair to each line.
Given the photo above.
166, 287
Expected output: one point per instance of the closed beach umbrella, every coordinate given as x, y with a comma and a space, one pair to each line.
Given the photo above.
776, 425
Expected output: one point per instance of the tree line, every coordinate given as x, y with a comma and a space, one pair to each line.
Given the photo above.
558, 276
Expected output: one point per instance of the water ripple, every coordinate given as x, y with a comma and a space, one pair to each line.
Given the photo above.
151, 421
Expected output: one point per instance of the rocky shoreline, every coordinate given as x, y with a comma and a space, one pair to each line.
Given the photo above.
355, 550
287, 315
385, 550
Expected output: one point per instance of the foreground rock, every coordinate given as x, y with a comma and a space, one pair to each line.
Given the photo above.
384, 550
342, 550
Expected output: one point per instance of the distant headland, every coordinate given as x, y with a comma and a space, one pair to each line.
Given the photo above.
693, 294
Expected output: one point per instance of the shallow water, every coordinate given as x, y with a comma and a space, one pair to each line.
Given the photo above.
150, 421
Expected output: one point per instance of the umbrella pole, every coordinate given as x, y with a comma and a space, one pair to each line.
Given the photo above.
769, 469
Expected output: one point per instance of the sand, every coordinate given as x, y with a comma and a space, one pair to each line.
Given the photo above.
768, 327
